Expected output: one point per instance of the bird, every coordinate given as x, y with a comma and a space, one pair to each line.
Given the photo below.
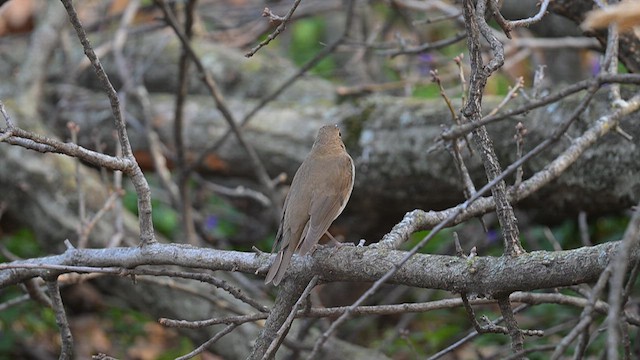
319, 191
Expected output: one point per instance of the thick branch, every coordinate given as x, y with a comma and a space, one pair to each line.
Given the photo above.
481, 275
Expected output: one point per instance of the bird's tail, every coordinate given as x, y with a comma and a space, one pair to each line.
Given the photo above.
279, 266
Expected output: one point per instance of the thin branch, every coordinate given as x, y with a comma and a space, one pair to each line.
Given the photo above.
118, 213
521, 131
489, 327
237, 192
424, 47
470, 336
66, 350
93, 221
404, 308
36, 293
436, 79
566, 42
203, 277
517, 340
436, 19
519, 354
511, 94
283, 25
282, 332
630, 243
586, 317
374, 288
534, 19
209, 342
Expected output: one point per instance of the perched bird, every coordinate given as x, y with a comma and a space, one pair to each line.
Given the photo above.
319, 192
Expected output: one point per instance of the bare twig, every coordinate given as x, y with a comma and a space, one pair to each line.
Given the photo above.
620, 263
463, 83
436, 19
470, 336
209, 342
521, 131
91, 223
435, 78
468, 187
489, 327
424, 47
394, 309
36, 293
508, 25
517, 340
203, 277
586, 317
66, 350
237, 192
287, 323
513, 93
283, 25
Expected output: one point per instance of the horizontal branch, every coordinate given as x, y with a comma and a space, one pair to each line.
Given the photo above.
480, 275
395, 309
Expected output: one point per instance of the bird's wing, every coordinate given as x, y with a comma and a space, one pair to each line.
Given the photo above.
326, 206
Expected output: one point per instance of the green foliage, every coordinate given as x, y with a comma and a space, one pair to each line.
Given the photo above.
130, 201
498, 84
165, 219
426, 91
609, 228
126, 323
221, 217
442, 335
174, 352
22, 243
23, 321
307, 40
433, 246
567, 234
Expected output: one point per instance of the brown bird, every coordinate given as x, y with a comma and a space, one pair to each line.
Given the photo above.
319, 192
